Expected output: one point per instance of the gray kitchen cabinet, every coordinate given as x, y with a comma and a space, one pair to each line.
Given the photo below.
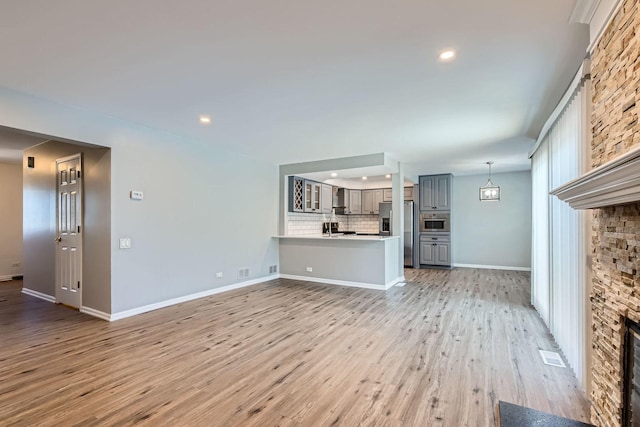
435, 250
367, 202
377, 199
326, 199
296, 194
435, 192
355, 202
312, 196
371, 200
387, 195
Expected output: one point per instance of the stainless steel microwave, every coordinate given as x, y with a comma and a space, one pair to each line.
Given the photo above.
433, 222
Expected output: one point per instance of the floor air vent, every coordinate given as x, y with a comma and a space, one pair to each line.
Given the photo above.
552, 358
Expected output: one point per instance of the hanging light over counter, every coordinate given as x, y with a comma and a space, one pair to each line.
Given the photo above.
490, 192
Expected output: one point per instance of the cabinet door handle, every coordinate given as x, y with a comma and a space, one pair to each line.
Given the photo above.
434, 244
434, 238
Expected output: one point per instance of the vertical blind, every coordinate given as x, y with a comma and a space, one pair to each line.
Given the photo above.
540, 251
558, 286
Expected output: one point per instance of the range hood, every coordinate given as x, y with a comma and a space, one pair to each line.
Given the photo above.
613, 183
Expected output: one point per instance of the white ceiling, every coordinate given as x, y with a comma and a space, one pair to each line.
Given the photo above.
292, 81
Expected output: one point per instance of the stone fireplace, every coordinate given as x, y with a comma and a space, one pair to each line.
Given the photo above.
612, 190
615, 297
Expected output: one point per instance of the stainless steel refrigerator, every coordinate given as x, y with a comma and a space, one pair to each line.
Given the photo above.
408, 224
408, 233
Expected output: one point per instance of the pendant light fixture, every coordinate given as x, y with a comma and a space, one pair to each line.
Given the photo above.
490, 192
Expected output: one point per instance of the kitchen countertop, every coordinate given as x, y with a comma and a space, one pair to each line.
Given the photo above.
339, 236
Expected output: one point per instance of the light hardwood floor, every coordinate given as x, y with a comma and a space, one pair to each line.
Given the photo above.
440, 351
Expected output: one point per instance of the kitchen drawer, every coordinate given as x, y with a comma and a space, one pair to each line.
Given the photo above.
430, 237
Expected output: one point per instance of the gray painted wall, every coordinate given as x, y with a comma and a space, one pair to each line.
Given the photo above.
10, 219
40, 221
361, 261
204, 211
492, 233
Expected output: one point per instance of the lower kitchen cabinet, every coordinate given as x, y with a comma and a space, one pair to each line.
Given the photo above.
435, 250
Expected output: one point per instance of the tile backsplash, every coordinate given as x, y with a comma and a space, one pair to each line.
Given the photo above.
299, 224
363, 223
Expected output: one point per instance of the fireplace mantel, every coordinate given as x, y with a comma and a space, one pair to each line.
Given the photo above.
613, 183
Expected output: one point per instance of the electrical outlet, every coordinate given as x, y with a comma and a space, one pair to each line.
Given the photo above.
15, 264
219, 275
243, 273
309, 269
125, 243
273, 269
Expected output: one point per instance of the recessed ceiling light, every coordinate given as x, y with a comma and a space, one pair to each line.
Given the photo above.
387, 176
333, 174
447, 55
364, 178
205, 120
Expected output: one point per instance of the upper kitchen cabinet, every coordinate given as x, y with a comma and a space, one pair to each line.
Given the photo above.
355, 202
377, 199
371, 200
296, 194
326, 199
388, 197
408, 194
305, 195
312, 196
435, 192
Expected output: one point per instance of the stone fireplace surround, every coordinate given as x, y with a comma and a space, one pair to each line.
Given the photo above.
612, 189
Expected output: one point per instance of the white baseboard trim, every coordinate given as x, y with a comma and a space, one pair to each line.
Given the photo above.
343, 282
40, 295
493, 267
95, 313
155, 306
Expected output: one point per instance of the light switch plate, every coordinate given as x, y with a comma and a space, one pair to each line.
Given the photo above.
125, 243
136, 195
